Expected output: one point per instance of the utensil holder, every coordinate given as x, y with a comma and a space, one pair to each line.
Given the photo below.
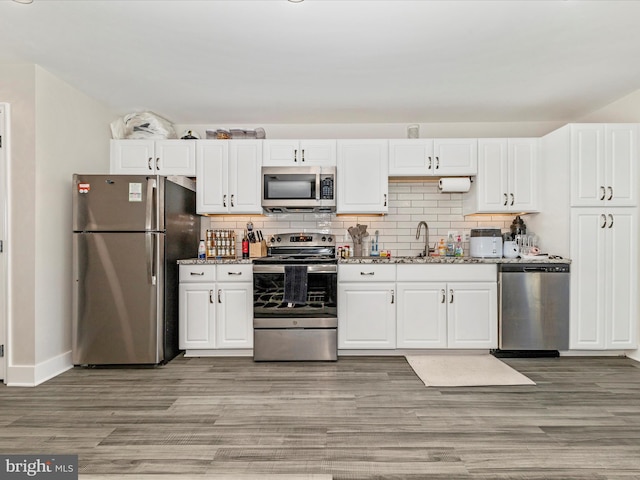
258, 249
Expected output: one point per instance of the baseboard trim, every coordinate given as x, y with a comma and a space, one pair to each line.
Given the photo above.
34, 375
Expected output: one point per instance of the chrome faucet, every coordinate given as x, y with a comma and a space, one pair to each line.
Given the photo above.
425, 252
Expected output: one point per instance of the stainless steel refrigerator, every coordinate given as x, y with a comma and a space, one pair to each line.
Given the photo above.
128, 233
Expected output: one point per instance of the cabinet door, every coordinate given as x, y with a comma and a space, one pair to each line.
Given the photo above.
318, 152
176, 157
455, 156
132, 157
588, 278
472, 315
410, 157
621, 153
196, 316
421, 315
211, 176
588, 184
281, 153
362, 176
523, 175
492, 182
245, 162
234, 325
366, 316
621, 246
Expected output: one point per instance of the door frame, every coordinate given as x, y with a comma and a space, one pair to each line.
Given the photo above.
4, 235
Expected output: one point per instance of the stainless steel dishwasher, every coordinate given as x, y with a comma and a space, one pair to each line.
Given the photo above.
534, 309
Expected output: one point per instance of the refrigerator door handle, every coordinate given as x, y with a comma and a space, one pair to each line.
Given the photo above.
149, 222
151, 256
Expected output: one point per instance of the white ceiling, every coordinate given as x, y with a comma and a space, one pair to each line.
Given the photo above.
334, 61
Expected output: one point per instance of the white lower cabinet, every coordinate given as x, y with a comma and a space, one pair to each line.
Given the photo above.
366, 307
448, 313
215, 307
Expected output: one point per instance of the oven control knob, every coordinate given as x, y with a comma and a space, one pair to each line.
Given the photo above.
324, 239
330, 239
278, 239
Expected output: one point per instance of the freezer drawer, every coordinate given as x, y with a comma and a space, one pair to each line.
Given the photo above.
117, 315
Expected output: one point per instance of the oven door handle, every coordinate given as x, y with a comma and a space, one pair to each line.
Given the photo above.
280, 268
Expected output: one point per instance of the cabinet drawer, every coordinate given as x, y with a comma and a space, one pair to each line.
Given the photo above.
197, 273
234, 273
447, 273
366, 273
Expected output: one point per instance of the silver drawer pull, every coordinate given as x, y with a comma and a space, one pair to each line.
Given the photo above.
367, 273
199, 274
234, 273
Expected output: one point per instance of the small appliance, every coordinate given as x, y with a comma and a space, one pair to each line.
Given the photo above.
298, 189
485, 243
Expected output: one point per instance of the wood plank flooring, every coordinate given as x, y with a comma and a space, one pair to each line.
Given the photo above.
358, 418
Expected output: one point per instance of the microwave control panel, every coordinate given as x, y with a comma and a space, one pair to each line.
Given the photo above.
326, 188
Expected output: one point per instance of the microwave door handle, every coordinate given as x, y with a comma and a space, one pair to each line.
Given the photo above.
317, 187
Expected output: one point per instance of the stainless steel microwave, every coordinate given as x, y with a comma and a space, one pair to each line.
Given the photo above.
298, 189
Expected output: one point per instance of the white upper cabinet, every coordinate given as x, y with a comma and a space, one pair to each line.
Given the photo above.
507, 179
157, 157
287, 153
363, 176
439, 157
228, 176
603, 164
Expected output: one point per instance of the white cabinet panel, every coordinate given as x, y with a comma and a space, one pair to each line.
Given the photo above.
473, 315
439, 157
421, 315
157, 157
287, 153
366, 315
362, 176
196, 316
234, 315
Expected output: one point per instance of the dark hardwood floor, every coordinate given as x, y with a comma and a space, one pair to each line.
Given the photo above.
358, 418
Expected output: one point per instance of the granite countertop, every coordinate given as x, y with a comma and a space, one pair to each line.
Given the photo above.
392, 260
214, 261
450, 260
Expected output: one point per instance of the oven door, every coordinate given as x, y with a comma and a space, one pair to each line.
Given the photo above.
296, 332
268, 293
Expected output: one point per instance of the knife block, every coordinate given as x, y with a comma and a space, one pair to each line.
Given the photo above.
258, 249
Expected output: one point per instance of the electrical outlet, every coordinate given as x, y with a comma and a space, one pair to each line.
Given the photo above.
454, 234
467, 236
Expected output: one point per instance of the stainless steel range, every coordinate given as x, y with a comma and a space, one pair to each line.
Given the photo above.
295, 315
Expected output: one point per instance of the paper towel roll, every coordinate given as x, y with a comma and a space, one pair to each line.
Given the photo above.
454, 184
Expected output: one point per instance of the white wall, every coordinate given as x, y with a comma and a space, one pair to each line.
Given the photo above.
56, 131
389, 130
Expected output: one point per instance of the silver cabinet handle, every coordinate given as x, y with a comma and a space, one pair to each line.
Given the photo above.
303, 154
437, 163
603, 192
149, 163
451, 296
444, 296
234, 273
219, 299
513, 199
429, 166
157, 163
210, 296
393, 296
232, 200
610, 193
385, 199
224, 200
367, 273
198, 274
506, 199
611, 219
295, 155
604, 221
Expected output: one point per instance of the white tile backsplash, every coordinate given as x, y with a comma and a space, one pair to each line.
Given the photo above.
409, 203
